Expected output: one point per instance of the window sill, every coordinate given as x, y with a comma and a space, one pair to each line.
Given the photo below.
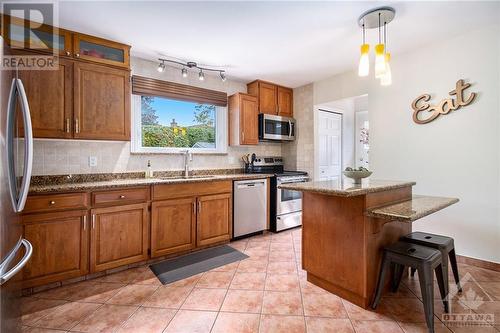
163, 151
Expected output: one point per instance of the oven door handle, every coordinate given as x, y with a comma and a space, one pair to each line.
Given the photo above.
292, 182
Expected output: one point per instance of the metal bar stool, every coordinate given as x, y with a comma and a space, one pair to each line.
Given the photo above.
424, 260
441, 243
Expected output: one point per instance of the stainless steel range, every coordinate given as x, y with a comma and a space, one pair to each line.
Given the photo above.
286, 205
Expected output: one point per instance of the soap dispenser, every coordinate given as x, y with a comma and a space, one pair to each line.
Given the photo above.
149, 171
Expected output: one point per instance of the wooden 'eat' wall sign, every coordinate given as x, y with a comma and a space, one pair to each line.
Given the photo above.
456, 101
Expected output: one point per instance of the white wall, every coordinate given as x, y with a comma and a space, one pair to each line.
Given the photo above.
457, 155
57, 157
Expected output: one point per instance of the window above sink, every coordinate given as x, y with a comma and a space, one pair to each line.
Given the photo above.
172, 124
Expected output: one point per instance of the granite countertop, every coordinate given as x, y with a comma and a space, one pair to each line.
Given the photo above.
411, 210
134, 182
346, 188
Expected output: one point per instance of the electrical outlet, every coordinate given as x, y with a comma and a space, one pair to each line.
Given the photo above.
92, 161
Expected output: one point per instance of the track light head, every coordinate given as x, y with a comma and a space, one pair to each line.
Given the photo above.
222, 76
161, 67
201, 75
184, 72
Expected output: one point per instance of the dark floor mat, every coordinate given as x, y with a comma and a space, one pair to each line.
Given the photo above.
172, 270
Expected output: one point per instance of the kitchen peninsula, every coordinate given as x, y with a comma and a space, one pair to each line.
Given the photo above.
345, 226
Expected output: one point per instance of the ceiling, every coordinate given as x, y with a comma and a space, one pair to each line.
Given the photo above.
290, 43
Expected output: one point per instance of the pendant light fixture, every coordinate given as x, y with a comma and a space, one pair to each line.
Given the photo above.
386, 79
379, 55
364, 60
376, 18
190, 64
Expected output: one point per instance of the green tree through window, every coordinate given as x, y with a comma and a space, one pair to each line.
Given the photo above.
166, 123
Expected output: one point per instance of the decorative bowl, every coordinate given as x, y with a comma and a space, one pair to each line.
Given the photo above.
357, 175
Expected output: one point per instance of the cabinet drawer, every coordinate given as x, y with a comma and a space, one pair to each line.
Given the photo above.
120, 196
190, 189
52, 202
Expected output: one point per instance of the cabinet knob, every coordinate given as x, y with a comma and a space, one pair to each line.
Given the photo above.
52, 202
122, 196
77, 55
68, 53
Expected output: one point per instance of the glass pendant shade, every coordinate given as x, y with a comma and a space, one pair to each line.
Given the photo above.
386, 79
380, 66
364, 61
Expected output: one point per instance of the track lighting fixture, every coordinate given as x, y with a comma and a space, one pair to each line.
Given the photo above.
190, 64
376, 18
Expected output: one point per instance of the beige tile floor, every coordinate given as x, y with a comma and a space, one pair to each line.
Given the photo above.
267, 292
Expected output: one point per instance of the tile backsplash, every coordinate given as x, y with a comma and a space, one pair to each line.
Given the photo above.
60, 157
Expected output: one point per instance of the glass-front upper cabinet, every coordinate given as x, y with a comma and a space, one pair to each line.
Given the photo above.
23, 34
101, 50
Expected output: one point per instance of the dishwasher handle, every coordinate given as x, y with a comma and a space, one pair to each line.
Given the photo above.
251, 184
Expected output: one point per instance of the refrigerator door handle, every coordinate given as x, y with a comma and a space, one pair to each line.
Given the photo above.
28, 144
14, 270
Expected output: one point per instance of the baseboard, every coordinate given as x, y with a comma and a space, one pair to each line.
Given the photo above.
494, 266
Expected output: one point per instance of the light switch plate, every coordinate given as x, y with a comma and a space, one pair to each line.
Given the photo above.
92, 161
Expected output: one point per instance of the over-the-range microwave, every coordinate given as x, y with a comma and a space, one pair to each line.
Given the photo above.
276, 128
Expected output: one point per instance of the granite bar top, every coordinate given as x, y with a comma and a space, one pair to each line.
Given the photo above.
346, 188
411, 210
89, 185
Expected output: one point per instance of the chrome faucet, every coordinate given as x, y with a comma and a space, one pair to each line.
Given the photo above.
188, 157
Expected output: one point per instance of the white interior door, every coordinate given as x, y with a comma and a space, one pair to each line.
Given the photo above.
330, 145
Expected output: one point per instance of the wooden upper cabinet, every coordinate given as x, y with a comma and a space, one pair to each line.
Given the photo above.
60, 246
214, 219
285, 102
173, 226
267, 98
101, 50
101, 102
50, 99
119, 236
272, 99
48, 39
243, 120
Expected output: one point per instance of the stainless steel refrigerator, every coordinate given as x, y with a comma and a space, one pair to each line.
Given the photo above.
16, 153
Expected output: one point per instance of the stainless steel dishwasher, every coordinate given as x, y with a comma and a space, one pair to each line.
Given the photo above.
250, 207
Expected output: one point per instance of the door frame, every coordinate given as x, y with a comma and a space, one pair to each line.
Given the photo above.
316, 112
356, 138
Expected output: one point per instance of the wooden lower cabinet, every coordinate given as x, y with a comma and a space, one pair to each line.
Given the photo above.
173, 226
71, 238
214, 219
119, 236
60, 246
